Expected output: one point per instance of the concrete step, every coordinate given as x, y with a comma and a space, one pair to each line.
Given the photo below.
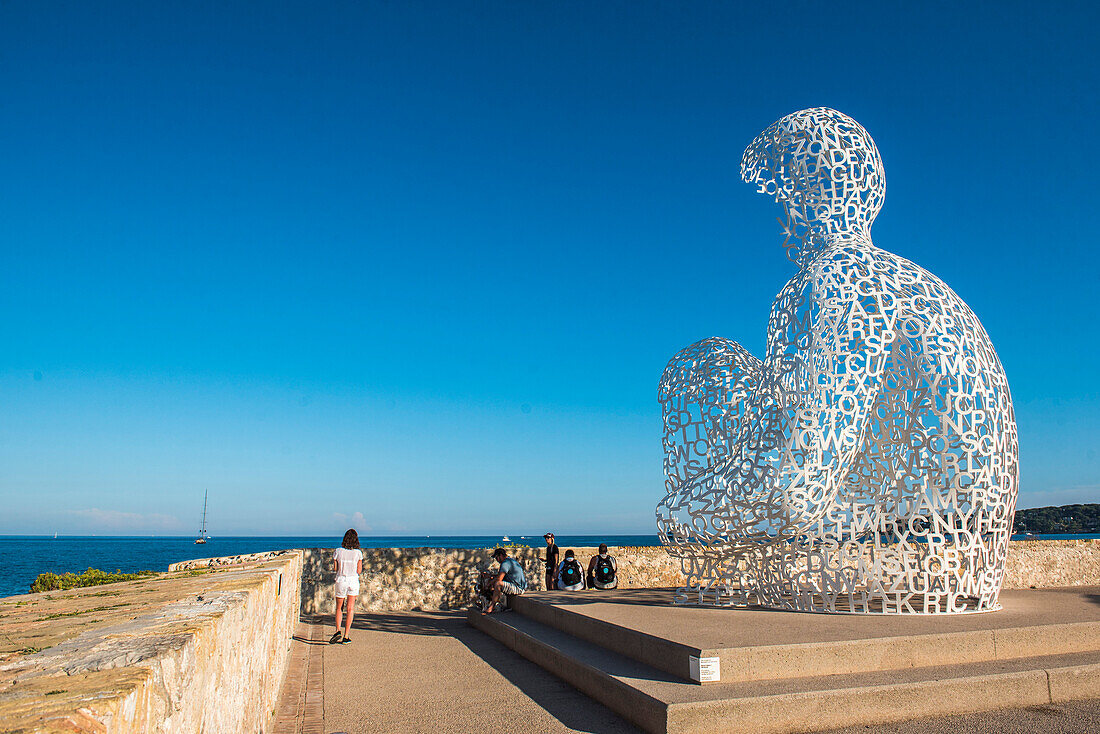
747, 645
666, 704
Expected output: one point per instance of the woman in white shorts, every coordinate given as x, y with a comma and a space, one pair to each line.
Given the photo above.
348, 560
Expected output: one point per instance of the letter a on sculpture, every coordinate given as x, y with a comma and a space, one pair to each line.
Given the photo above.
869, 463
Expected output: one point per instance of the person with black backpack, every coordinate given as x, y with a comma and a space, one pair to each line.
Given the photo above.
570, 575
603, 572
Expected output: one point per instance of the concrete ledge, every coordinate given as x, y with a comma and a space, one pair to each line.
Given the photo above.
659, 652
829, 709
1074, 683
755, 644
635, 706
659, 703
916, 651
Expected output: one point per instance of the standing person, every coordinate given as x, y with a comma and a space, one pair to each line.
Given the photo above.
551, 562
348, 561
570, 575
603, 572
510, 579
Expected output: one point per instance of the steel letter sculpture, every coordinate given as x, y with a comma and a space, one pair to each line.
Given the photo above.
869, 463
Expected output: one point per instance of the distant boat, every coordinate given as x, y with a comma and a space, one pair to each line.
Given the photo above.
55, 536
505, 539
201, 540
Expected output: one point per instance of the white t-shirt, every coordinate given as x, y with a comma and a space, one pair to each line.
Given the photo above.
347, 560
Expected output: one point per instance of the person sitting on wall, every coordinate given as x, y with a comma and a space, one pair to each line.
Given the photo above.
570, 575
510, 579
603, 572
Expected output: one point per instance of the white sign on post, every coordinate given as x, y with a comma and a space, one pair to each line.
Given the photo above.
704, 670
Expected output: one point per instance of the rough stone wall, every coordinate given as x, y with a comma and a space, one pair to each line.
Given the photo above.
197, 651
395, 579
402, 579
1047, 563
641, 568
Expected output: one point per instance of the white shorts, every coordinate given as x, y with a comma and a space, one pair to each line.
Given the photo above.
347, 586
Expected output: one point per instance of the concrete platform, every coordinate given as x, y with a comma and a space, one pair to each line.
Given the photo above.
760, 644
790, 672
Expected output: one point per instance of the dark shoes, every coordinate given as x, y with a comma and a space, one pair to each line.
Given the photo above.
335, 639
345, 641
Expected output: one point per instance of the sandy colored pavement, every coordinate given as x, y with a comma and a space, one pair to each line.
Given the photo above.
408, 672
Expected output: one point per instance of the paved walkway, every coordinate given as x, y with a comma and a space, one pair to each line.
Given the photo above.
301, 706
410, 672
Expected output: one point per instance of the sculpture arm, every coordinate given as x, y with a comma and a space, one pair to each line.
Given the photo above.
702, 395
802, 422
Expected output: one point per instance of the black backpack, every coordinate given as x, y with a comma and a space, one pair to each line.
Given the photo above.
571, 572
605, 572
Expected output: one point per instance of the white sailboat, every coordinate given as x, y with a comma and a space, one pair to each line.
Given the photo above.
202, 533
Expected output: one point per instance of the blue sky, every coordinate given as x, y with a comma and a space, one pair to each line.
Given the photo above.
425, 262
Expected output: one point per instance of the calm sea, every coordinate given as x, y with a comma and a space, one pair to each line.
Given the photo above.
23, 557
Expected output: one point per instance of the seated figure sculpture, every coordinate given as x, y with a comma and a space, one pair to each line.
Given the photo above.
869, 463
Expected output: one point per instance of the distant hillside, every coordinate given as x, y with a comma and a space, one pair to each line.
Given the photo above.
1064, 519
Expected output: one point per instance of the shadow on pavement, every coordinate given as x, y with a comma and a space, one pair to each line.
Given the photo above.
569, 706
307, 641
402, 623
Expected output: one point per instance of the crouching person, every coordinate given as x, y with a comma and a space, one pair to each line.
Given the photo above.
603, 572
570, 575
510, 579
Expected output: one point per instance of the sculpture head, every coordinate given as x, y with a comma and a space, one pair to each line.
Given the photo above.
825, 170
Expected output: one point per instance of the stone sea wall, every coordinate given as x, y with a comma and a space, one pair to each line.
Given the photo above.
198, 650
396, 579
1048, 563
403, 579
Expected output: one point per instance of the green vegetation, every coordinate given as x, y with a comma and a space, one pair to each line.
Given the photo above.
91, 577
1064, 519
